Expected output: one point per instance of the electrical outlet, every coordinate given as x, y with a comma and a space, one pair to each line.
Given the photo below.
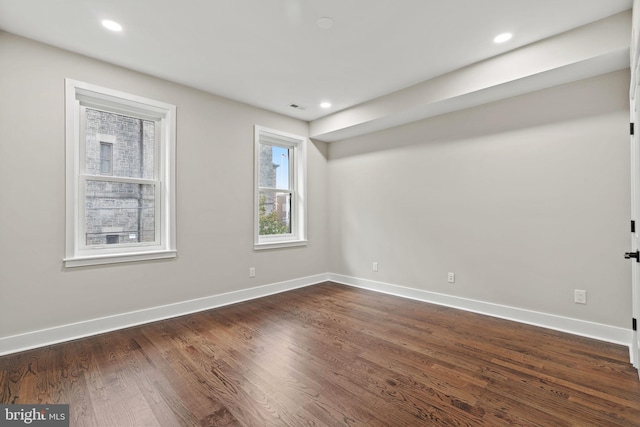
451, 278
375, 265
252, 272
579, 296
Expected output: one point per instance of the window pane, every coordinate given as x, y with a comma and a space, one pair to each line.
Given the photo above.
118, 212
106, 157
274, 167
131, 140
275, 213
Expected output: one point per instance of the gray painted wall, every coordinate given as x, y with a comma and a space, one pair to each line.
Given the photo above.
524, 200
214, 198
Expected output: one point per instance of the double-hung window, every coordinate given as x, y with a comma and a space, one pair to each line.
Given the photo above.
120, 176
280, 189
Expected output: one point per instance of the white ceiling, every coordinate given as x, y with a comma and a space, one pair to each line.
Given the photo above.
271, 53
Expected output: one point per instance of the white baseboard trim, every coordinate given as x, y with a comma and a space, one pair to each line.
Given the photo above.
58, 334
583, 328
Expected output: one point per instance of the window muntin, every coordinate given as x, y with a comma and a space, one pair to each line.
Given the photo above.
121, 177
280, 187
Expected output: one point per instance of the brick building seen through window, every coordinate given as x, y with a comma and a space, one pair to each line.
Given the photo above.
119, 212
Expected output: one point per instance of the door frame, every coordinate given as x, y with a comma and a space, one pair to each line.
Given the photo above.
634, 117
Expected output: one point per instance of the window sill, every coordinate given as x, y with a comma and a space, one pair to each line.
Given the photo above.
117, 258
277, 245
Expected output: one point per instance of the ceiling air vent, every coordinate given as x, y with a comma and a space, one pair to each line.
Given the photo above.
297, 107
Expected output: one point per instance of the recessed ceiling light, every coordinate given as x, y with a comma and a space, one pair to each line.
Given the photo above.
325, 23
325, 105
501, 38
111, 25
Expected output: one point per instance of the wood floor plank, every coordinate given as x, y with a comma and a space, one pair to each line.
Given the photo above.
330, 355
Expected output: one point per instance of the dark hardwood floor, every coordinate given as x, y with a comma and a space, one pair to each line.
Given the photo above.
330, 355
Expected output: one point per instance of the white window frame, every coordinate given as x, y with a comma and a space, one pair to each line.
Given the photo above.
78, 97
298, 182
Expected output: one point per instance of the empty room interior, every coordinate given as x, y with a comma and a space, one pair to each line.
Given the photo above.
320, 212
